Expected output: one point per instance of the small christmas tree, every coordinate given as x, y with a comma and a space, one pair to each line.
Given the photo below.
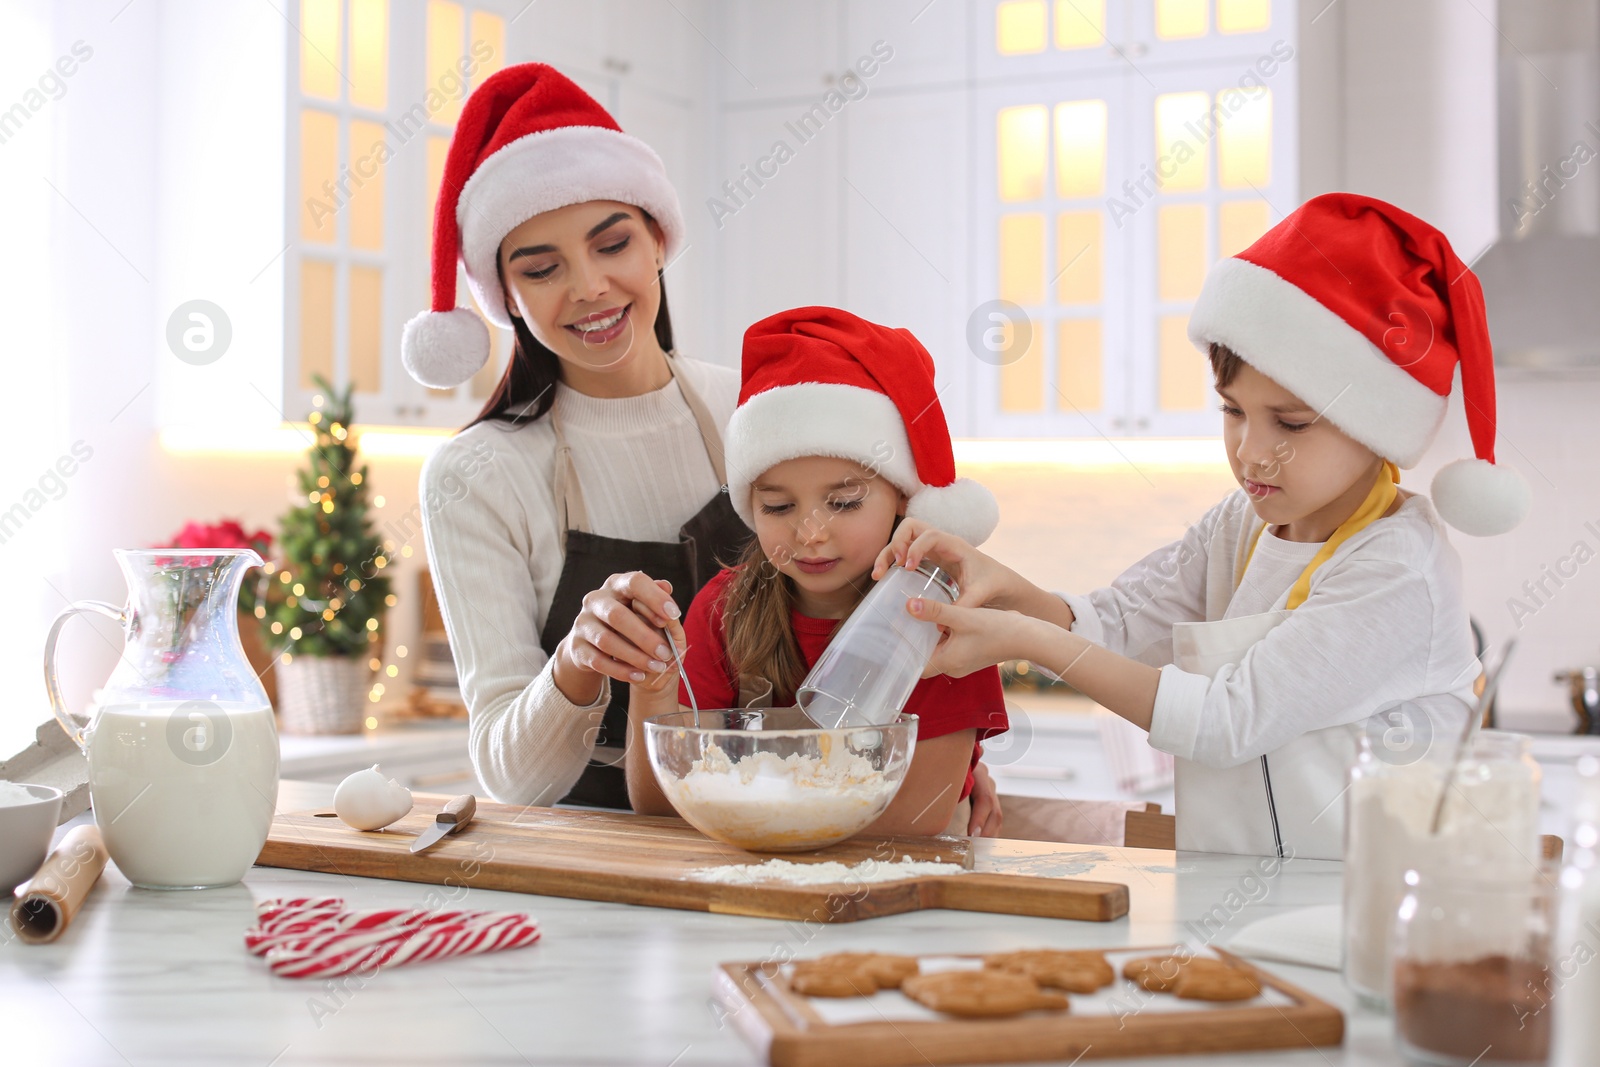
330, 594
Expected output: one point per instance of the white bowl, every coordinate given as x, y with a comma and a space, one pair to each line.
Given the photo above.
25, 833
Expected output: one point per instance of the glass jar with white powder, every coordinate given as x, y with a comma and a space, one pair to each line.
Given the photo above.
1490, 822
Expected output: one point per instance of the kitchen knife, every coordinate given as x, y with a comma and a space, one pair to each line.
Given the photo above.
453, 819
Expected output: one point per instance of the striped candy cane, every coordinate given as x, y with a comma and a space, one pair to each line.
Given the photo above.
312, 927
269, 909
369, 950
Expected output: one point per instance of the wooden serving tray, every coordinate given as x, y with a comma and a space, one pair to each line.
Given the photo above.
789, 1030
632, 859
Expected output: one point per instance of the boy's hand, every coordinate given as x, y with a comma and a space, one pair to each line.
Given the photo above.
974, 638
984, 582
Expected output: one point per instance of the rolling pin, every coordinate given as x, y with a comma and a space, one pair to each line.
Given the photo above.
46, 904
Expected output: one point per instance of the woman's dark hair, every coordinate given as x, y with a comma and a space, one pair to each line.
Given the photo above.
528, 387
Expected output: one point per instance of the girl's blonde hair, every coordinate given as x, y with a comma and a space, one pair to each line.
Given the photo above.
756, 627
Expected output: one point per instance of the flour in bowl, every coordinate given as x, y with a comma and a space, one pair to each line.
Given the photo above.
830, 873
12, 794
765, 801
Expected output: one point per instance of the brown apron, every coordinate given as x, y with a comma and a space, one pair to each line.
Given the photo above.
714, 535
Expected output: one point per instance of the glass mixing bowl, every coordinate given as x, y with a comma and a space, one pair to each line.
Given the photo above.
769, 781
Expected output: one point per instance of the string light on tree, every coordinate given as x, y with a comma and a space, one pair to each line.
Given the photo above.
330, 597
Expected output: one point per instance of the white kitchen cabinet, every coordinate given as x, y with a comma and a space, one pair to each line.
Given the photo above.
777, 237
649, 44
905, 229
929, 39
660, 47
571, 35
777, 49
678, 130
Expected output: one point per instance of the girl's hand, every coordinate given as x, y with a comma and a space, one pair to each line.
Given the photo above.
975, 638
983, 581
985, 797
616, 635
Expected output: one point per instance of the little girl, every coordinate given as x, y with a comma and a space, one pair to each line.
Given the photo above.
838, 435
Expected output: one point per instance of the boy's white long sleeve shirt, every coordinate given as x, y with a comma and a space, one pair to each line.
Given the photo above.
1385, 623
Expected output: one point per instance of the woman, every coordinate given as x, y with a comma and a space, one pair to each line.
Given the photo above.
584, 506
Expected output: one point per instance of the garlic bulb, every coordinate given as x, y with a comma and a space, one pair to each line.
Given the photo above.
368, 801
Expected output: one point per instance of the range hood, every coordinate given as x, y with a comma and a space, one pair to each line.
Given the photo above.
1541, 277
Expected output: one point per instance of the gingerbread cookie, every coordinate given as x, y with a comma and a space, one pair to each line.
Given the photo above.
1193, 978
850, 974
1073, 972
1224, 983
980, 994
1155, 973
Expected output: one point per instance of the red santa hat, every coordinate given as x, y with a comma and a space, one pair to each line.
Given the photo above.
529, 140
1365, 313
822, 382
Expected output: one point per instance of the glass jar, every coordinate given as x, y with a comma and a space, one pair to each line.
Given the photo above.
1490, 820
876, 658
1472, 981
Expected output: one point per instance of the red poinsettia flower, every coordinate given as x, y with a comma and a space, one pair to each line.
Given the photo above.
225, 534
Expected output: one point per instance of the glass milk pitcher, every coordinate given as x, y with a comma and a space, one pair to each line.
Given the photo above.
182, 748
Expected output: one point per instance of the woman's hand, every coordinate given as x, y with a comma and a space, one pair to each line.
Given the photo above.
667, 678
985, 797
656, 695
616, 635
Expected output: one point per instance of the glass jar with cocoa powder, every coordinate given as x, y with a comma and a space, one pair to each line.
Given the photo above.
1472, 981
1491, 821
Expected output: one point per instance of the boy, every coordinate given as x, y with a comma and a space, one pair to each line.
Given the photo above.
1254, 648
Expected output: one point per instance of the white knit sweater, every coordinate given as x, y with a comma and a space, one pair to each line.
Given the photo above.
495, 550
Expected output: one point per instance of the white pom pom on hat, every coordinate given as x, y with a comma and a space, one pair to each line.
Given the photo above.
529, 140
1479, 498
442, 349
964, 507
1365, 313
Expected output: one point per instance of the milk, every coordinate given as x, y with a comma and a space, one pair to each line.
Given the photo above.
183, 792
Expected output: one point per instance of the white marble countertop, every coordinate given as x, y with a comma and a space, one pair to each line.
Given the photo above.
145, 977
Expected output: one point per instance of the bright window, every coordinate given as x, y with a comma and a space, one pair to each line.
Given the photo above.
1134, 145
379, 89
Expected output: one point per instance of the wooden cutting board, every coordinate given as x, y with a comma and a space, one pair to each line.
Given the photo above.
631, 859
790, 1030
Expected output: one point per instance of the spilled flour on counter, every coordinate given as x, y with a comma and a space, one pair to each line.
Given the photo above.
764, 800
830, 873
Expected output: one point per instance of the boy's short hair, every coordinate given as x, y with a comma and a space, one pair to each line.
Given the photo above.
1225, 364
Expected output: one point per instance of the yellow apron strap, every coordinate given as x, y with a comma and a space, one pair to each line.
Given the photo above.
1378, 501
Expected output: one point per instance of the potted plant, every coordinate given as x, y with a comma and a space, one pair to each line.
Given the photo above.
325, 605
